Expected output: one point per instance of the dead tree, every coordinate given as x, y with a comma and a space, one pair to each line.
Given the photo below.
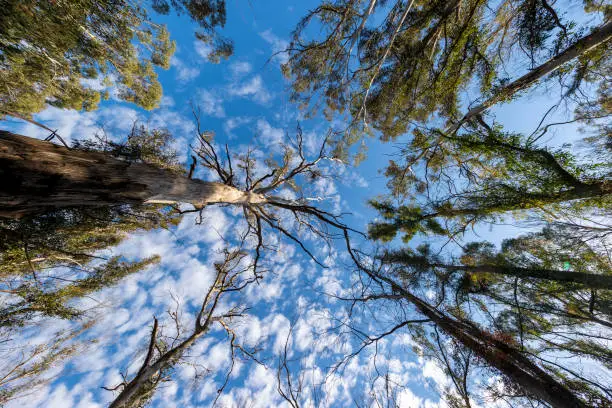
231, 276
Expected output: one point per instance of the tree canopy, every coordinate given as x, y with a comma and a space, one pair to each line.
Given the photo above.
72, 54
162, 262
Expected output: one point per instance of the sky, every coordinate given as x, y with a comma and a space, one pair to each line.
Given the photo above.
244, 101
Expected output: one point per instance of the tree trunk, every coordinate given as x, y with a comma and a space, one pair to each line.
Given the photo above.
140, 388
500, 355
39, 176
590, 280
598, 36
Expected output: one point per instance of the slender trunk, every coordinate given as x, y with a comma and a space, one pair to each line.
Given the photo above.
590, 280
142, 386
580, 191
138, 390
39, 176
500, 355
586, 43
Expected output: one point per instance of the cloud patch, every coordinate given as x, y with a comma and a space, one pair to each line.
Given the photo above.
253, 89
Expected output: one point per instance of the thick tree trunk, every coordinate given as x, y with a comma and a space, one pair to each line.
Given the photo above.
598, 36
38, 176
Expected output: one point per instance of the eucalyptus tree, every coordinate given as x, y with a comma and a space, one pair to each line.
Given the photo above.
459, 181
414, 65
531, 257
52, 52
80, 178
48, 260
26, 369
470, 335
97, 192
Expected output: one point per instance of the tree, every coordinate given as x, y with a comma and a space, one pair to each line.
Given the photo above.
482, 175
50, 259
529, 375
413, 66
67, 179
162, 356
542, 256
25, 370
53, 51
52, 300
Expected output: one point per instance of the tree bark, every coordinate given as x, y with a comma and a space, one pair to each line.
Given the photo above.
135, 392
39, 176
590, 280
498, 354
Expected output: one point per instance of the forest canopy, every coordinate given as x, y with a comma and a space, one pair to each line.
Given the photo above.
372, 203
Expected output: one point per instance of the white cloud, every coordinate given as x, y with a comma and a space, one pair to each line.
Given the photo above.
72, 125
278, 45
433, 371
240, 68
234, 123
269, 136
253, 88
210, 103
184, 73
166, 102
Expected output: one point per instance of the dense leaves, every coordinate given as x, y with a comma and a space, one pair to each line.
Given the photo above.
71, 54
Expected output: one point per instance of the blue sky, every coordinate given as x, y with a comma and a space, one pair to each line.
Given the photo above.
244, 101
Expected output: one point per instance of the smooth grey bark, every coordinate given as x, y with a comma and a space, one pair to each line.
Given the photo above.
39, 176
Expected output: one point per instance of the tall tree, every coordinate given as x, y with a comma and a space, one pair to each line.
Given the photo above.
231, 275
414, 66
528, 373
547, 255
461, 180
68, 178
26, 369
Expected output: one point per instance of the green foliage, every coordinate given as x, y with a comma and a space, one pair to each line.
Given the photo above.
49, 299
51, 51
68, 237
152, 146
65, 53
27, 369
210, 15
391, 77
490, 173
